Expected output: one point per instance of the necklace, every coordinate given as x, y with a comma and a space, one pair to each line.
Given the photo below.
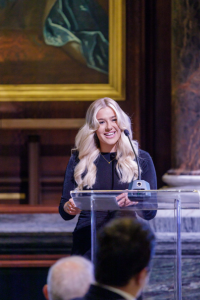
107, 160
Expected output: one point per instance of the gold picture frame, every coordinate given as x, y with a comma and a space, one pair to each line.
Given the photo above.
83, 92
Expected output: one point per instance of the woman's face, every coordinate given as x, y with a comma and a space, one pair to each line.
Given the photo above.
108, 132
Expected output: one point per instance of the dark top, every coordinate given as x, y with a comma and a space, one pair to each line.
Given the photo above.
106, 179
99, 293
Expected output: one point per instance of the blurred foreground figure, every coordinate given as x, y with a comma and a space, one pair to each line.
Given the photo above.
123, 260
68, 278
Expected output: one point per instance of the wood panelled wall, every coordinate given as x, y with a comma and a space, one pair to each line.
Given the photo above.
155, 109
147, 102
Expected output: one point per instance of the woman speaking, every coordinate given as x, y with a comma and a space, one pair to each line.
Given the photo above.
102, 160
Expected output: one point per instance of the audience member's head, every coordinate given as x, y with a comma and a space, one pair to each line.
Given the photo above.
68, 278
124, 252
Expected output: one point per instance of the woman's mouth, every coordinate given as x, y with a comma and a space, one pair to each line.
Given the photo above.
110, 134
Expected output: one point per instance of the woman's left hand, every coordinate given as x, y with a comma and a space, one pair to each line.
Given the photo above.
123, 200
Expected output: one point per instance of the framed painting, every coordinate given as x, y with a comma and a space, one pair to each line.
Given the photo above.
62, 50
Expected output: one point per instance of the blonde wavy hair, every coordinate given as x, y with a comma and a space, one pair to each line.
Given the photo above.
88, 146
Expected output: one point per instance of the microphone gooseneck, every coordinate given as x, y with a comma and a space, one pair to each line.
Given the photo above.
137, 184
126, 132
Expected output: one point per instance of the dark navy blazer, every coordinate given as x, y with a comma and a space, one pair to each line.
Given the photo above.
106, 179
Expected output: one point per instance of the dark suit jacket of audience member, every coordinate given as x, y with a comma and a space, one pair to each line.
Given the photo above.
99, 293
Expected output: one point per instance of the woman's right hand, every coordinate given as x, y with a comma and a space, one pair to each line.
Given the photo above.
70, 208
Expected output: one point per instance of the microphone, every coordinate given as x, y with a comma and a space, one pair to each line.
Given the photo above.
137, 184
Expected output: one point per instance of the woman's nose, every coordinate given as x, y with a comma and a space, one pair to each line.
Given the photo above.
108, 126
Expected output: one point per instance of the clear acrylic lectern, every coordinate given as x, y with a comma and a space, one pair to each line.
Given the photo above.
145, 201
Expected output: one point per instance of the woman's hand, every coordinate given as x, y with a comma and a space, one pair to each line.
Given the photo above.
70, 208
123, 200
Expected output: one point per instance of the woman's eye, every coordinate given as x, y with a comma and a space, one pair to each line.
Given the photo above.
101, 122
114, 120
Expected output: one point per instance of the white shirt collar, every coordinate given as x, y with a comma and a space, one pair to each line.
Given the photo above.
125, 295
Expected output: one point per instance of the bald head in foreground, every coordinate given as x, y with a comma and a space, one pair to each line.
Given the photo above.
68, 278
123, 260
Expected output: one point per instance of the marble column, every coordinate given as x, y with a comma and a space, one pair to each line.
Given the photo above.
185, 172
